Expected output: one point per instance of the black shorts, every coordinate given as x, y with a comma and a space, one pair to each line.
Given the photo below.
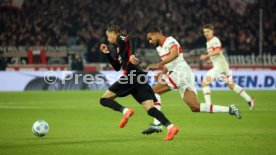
141, 92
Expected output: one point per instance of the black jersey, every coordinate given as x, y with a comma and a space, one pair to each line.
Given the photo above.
120, 53
138, 87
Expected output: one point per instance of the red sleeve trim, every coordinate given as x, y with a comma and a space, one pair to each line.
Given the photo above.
179, 49
173, 46
219, 47
165, 55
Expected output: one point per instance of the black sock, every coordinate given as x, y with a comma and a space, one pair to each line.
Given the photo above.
111, 104
159, 116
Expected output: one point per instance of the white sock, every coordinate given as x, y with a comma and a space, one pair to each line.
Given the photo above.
219, 108
125, 110
169, 126
242, 93
213, 108
157, 105
207, 94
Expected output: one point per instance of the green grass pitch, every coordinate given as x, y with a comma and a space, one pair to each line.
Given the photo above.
79, 125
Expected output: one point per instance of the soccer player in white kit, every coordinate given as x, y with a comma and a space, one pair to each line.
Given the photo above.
177, 75
220, 70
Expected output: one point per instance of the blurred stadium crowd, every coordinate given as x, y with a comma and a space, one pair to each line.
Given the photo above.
72, 22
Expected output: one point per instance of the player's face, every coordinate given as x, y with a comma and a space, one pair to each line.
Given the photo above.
153, 39
111, 37
208, 33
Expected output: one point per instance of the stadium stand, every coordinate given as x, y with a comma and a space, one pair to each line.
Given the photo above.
81, 24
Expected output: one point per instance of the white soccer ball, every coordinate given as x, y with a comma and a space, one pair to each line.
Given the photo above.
40, 128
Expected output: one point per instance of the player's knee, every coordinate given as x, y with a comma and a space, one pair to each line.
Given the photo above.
156, 91
104, 101
206, 81
195, 109
204, 84
231, 85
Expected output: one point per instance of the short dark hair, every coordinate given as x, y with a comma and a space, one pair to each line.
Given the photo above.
208, 26
114, 28
154, 29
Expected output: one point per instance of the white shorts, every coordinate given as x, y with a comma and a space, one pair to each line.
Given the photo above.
220, 74
180, 78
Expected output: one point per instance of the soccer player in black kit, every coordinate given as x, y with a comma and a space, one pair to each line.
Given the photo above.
133, 81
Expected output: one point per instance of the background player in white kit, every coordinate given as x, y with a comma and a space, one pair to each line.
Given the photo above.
177, 75
220, 70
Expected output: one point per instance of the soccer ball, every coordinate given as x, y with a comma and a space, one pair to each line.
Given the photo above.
40, 128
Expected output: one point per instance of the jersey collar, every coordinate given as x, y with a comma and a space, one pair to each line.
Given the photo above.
211, 38
163, 41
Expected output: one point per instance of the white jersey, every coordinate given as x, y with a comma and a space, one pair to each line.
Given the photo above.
179, 76
164, 50
218, 61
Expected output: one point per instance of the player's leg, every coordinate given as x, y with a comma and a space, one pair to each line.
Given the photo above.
158, 89
240, 91
190, 97
166, 83
208, 79
107, 100
152, 111
143, 94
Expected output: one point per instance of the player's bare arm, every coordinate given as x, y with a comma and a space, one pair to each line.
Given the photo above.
173, 55
210, 54
164, 71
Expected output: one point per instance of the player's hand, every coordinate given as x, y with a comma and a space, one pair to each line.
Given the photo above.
133, 60
156, 76
104, 48
153, 67
208, 62
203, 57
